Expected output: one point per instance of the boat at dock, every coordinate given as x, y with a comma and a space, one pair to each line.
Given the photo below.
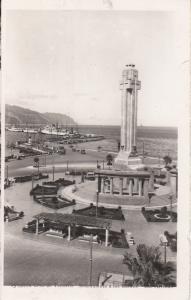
55, 130
15, 129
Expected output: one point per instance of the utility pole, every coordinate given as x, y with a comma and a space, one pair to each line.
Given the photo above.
32, 182
177, 184
165, 245
91, 260
170, 198
53, 167
7, 173
53, 173
97, 199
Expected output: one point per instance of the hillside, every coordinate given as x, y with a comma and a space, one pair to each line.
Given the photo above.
16, 115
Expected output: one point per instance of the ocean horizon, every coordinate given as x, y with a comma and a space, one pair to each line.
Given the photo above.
154, 141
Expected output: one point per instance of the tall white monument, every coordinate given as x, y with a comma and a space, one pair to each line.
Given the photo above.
128, 157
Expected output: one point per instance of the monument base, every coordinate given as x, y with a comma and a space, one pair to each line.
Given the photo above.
125, 161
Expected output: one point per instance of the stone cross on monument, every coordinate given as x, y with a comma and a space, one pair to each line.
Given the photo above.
129, 86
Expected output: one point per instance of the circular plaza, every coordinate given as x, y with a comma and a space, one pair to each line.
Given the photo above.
117, 195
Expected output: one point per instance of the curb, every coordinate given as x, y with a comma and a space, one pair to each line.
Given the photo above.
70, 195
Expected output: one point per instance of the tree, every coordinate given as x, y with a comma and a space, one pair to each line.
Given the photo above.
109, 159
36, 161
148, 269
167, 160
118, 145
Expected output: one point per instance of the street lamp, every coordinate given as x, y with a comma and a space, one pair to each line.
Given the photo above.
91, 260
97, 199
164, 243
170, 198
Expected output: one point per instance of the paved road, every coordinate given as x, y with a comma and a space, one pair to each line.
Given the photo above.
48, 261
30, 262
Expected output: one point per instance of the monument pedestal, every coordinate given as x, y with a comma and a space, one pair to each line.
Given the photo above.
125, 161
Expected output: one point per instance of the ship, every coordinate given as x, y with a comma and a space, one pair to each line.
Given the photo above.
15, 129
55, 130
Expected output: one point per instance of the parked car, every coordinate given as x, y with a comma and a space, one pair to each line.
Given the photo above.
90, 176
83, 151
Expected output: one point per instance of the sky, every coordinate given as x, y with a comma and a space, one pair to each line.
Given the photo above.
71, 62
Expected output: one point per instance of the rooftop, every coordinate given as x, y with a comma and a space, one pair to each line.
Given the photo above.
71, 219
144, 174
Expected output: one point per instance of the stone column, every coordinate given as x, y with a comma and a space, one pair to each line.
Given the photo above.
106, 237
145, 187
123, 117
37, 226
135, 116
151, 182
168, 175
125, 182
111, 185
140, 187
121, 186
130, 187
135, 188
69, 232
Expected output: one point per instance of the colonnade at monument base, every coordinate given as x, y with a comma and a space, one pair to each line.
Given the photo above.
125, 183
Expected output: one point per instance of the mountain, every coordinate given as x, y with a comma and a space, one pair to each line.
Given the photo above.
16, 115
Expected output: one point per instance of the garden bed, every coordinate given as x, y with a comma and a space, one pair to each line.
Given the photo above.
53, 201
11, 215
44, 190
59, 182
102, 212
29, 177
157, 215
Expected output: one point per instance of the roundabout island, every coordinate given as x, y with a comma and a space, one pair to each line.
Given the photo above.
149, 194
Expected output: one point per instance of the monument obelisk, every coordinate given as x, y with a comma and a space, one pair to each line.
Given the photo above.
127, 157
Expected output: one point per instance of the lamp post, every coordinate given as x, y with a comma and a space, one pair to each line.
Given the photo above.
91, 260
7, 173
53, 173
170, 198
97, 199
177, 184
32, 182
163, 243
53, 167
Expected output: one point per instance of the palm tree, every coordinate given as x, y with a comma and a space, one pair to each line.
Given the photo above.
147, 268
167, 160
109, 159
36, 161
